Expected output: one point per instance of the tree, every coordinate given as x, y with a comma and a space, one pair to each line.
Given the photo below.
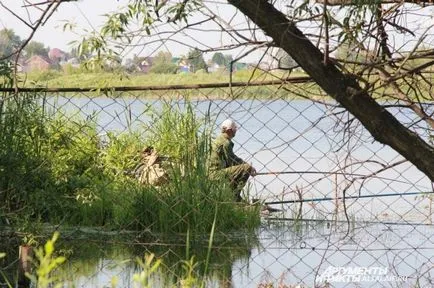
36, 48
228, 60
219, 59
195, 58
222, 60
162, 64
9, 42
163, 58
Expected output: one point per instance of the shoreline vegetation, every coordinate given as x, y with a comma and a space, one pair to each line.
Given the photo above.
54, 78
55, 168
198, 85
153, 85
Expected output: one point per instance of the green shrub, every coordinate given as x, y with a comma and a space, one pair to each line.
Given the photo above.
164, 68
47, 160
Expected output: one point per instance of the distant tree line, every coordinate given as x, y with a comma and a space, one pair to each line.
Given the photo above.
10, 42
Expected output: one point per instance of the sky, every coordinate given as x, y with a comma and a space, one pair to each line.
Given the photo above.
87, 15
52, 33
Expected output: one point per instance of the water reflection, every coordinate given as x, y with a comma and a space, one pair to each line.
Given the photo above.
288, 252
95, 261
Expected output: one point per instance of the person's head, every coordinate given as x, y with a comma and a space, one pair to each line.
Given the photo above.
229, 127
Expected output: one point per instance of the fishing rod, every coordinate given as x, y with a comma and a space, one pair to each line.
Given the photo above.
346, 197
326, 173
308, 172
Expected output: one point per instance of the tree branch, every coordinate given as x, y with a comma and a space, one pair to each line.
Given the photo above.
384, 127
369, 2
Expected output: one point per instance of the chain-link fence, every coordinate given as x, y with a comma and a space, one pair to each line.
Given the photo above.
329, 206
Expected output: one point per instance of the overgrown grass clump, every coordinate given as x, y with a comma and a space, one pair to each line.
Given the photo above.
57, 169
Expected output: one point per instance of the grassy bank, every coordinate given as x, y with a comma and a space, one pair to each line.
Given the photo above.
103, 81
54, 78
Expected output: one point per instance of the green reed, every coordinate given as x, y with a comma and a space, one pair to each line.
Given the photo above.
48, 161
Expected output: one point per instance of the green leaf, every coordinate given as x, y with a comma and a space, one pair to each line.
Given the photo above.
60, 260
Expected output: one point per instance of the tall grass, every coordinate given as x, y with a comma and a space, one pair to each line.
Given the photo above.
85, 78
48, 162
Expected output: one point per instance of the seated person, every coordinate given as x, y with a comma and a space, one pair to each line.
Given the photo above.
224, 163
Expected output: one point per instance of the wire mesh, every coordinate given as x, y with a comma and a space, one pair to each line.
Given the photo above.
343, 201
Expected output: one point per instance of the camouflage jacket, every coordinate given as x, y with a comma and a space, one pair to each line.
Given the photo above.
222, 154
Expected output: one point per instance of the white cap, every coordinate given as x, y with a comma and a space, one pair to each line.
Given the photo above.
229, 124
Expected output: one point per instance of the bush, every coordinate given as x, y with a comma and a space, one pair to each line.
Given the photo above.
164, 68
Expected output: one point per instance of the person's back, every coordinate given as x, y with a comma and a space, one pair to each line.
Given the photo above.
225, 164
222, 155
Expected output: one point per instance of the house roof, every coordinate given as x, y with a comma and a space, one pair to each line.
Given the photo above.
147, 61
56, 53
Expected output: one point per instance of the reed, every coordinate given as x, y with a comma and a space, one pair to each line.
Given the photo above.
49, 162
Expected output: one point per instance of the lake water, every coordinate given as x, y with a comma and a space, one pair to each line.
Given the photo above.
301, 137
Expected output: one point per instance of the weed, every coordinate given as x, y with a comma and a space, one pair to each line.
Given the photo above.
149, 267
189, 278
46, 263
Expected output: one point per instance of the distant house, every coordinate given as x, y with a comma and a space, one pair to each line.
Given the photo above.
183, 65
37, 63
56, 55
214, 67
146, 64
74, 62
